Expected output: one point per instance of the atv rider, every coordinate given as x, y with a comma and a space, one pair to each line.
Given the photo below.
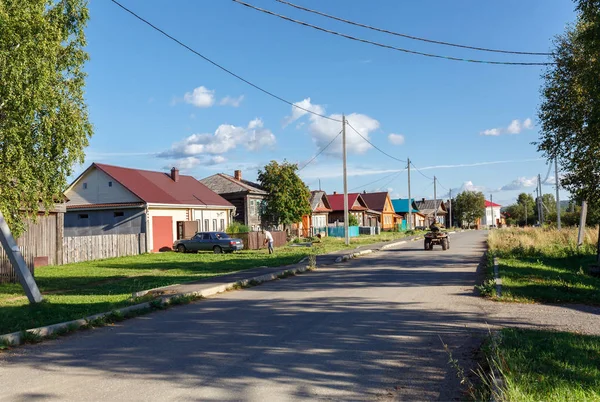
434, 227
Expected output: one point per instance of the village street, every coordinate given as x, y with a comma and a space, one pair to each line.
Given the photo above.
371, 328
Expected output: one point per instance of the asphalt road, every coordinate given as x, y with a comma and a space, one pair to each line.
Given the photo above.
368, 329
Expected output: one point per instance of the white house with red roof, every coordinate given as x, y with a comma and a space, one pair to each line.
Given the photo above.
492, 214
107, 199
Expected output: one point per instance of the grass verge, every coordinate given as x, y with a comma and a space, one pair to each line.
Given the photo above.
79, 290
547, 366
545, 265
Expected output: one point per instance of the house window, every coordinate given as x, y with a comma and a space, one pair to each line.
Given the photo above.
82, 216
110, 184
85, 186
206, 225
222, 225
119, 214
214, 225
252, 208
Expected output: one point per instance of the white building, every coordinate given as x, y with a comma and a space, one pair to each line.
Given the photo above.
492, 214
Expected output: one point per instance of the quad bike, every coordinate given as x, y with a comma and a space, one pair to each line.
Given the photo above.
440, 238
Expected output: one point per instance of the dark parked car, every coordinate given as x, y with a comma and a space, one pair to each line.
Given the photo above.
218, 242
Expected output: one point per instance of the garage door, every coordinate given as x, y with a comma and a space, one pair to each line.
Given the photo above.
162, 233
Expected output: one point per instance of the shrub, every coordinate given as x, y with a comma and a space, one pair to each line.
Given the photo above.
236, 227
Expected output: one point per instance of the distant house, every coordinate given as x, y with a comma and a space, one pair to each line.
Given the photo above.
401, 208
246, 196
381, 203
356, 206
492, 215
317, 221
107, 199
429, 208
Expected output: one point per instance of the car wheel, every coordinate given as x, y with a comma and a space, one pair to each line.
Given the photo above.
217, 250
181, 248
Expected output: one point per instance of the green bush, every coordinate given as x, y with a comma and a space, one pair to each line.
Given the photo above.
236, 227
352, 221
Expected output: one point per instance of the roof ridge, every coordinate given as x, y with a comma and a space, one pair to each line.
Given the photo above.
141, 170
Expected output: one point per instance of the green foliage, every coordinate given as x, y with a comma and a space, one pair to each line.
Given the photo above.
288, 197
468, 206
570, 111
352, 220
524, 208
31, 337
44, 124
237, 227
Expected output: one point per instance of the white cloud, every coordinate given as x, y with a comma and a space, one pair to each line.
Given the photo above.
323, 131
200, 97
190, 162
231, 101
466, 186
396, 139
520, 183
515, 127
225, 138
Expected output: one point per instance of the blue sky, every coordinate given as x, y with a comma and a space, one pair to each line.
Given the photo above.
154, 104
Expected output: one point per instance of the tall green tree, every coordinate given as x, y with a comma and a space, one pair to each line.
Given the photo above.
469, 206
570, 108
44, 124
288, 197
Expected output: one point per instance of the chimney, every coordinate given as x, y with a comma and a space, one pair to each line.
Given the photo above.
175, 174
423, 200
335, 193
237, 175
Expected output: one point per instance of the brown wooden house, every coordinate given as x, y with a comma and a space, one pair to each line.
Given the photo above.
247, 197
317, 221
356, 206
381, 202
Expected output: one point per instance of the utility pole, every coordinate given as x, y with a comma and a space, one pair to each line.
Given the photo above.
492, 207
435, 198
409, 199
541, 207
557, 195
18, 262
537, 198
582, 220
525, 212
346, 223
450, 209
319, 184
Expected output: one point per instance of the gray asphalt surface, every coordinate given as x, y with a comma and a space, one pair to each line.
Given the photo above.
368, 329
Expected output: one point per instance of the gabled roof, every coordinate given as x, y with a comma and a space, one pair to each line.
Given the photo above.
315, 198
401, 206
491, 204
222, 183
375, 201
337, 202
158, 187
429, 206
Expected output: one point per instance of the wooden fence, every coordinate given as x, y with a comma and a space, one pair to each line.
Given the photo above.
255, 240
88, 248
7, 273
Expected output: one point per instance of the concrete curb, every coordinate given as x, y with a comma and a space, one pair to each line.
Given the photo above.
497, 278
393, 244
347, 257
15, 338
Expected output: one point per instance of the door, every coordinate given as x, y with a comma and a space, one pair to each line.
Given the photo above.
162, 233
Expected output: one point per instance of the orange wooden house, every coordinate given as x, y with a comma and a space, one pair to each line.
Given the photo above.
382, 203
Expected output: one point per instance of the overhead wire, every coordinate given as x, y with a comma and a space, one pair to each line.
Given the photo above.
374, 181
392, 179
214, 63
421, 173
389, 46
373, 145
320, 152
437, 42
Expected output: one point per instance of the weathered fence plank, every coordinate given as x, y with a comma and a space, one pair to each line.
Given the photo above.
89, 248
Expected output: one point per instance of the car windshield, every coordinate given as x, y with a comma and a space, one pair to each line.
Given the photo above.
222, 236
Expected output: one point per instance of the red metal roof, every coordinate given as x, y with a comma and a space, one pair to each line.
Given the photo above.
490, 204
107, 206
336, 201
159, 188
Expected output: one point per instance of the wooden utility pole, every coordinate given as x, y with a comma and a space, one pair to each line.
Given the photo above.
435, 198
582, 220
346, 223
492, 207
18, 262
409, 199
558, 223
450, 208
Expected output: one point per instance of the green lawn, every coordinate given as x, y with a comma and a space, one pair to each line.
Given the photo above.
544, 265
74, 291
549, 366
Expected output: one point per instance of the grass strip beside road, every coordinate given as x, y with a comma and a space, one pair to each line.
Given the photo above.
78, 290
545, 265
549, 366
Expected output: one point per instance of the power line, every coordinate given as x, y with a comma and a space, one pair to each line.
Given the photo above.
389, 46
220, 66
483, 49
373, 145
421, 173
378, 180
392, 179
320, 152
